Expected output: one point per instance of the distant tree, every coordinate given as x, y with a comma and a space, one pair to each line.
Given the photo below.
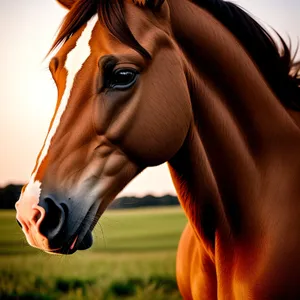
149, 200
9, 195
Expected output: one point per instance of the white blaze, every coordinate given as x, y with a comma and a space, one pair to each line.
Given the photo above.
75, 59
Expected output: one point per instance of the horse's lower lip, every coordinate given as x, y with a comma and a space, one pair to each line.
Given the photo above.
74, 242
86, 242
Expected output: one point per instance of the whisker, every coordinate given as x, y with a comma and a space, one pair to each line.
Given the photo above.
105, 245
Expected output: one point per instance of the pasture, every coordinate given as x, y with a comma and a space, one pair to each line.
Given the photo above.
133, 257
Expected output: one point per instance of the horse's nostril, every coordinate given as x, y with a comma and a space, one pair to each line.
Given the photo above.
37, 216
54, 219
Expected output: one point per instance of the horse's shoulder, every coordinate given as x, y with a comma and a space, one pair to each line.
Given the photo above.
195, 271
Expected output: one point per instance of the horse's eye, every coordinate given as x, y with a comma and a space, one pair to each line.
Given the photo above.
123, 79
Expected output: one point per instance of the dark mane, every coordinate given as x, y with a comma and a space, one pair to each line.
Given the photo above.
277, 66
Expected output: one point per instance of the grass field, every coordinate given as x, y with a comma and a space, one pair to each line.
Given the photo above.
133, 257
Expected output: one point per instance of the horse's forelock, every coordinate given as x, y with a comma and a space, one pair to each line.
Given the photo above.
79, 14
111, 14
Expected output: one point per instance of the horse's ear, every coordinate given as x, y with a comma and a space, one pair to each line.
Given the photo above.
152, 4
66, 3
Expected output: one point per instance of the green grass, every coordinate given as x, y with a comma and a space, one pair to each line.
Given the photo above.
133, 257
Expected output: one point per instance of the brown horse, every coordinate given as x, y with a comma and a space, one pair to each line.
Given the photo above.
197, 84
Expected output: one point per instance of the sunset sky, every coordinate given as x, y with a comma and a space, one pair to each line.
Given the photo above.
28, 95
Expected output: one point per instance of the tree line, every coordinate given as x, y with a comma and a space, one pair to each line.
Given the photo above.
10, 194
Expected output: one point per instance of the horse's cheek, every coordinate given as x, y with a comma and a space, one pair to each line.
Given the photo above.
160, 125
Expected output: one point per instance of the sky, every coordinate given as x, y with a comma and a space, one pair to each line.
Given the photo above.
28, 95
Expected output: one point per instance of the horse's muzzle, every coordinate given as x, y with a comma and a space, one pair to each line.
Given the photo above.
47, 226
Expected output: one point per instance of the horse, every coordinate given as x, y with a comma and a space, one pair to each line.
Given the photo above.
198, 84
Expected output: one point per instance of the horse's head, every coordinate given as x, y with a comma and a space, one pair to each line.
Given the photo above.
123, 104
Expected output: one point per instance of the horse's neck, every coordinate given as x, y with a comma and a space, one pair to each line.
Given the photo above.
240, 129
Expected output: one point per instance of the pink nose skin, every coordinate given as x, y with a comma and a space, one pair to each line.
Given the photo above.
30, 215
